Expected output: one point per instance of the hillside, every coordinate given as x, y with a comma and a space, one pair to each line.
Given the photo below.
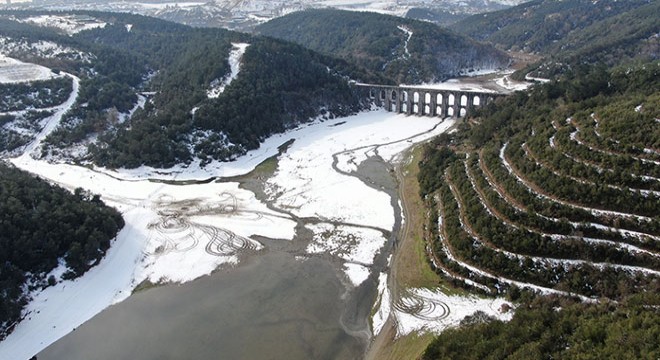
158, 93
552, 192
536, 195
406, 50
44, 227
578, 331
606, 31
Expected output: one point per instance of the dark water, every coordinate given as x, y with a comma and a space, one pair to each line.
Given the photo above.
272, 306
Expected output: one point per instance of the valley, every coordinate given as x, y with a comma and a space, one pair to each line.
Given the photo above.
314, 206
196, 192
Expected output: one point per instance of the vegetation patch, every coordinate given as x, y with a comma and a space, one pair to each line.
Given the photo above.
43, 225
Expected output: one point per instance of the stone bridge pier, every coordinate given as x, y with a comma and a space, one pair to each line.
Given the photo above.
426, 102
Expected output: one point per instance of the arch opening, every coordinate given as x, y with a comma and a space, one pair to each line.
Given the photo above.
464, 100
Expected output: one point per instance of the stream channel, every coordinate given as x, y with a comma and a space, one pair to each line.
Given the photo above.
277, 303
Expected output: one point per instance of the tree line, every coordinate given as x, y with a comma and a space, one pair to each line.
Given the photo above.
41, 226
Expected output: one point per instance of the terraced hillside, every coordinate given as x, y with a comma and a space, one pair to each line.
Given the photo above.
556, 190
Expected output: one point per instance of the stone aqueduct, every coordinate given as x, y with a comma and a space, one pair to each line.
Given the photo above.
426, 102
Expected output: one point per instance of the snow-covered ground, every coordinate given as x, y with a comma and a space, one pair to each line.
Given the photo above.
307, 185
70, 24
409, 35
512, 85
435, 311
14, 71
357, 246
169, 225
427, 310
382, 305
235, 56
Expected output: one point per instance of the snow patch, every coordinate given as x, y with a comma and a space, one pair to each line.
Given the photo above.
356, 273
70, 24
235, 56
409, 33
433, 311
382, 305
15, 71
353, 244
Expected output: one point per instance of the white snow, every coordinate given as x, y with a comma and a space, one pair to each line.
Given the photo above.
165, 4
439, 311
382, 305
409, 33
510, 84
235, 56
71, 24
453, 85
306, 184
356, 273
15, 71
176, 233
353, 244
537, 79
529, 187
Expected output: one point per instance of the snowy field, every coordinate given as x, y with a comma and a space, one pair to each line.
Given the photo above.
14, 71
427, 310
70, 24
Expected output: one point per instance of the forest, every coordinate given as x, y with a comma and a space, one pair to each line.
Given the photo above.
41, 226
571, 32
35, 95
281, 85
377, 42
557, 188
554, 328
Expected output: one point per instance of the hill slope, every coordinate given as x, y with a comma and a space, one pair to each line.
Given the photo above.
403, 49
193, 106
609, 31
578, 331
556, 189
553, 192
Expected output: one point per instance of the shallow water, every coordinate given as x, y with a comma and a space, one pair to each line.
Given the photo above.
271, 307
